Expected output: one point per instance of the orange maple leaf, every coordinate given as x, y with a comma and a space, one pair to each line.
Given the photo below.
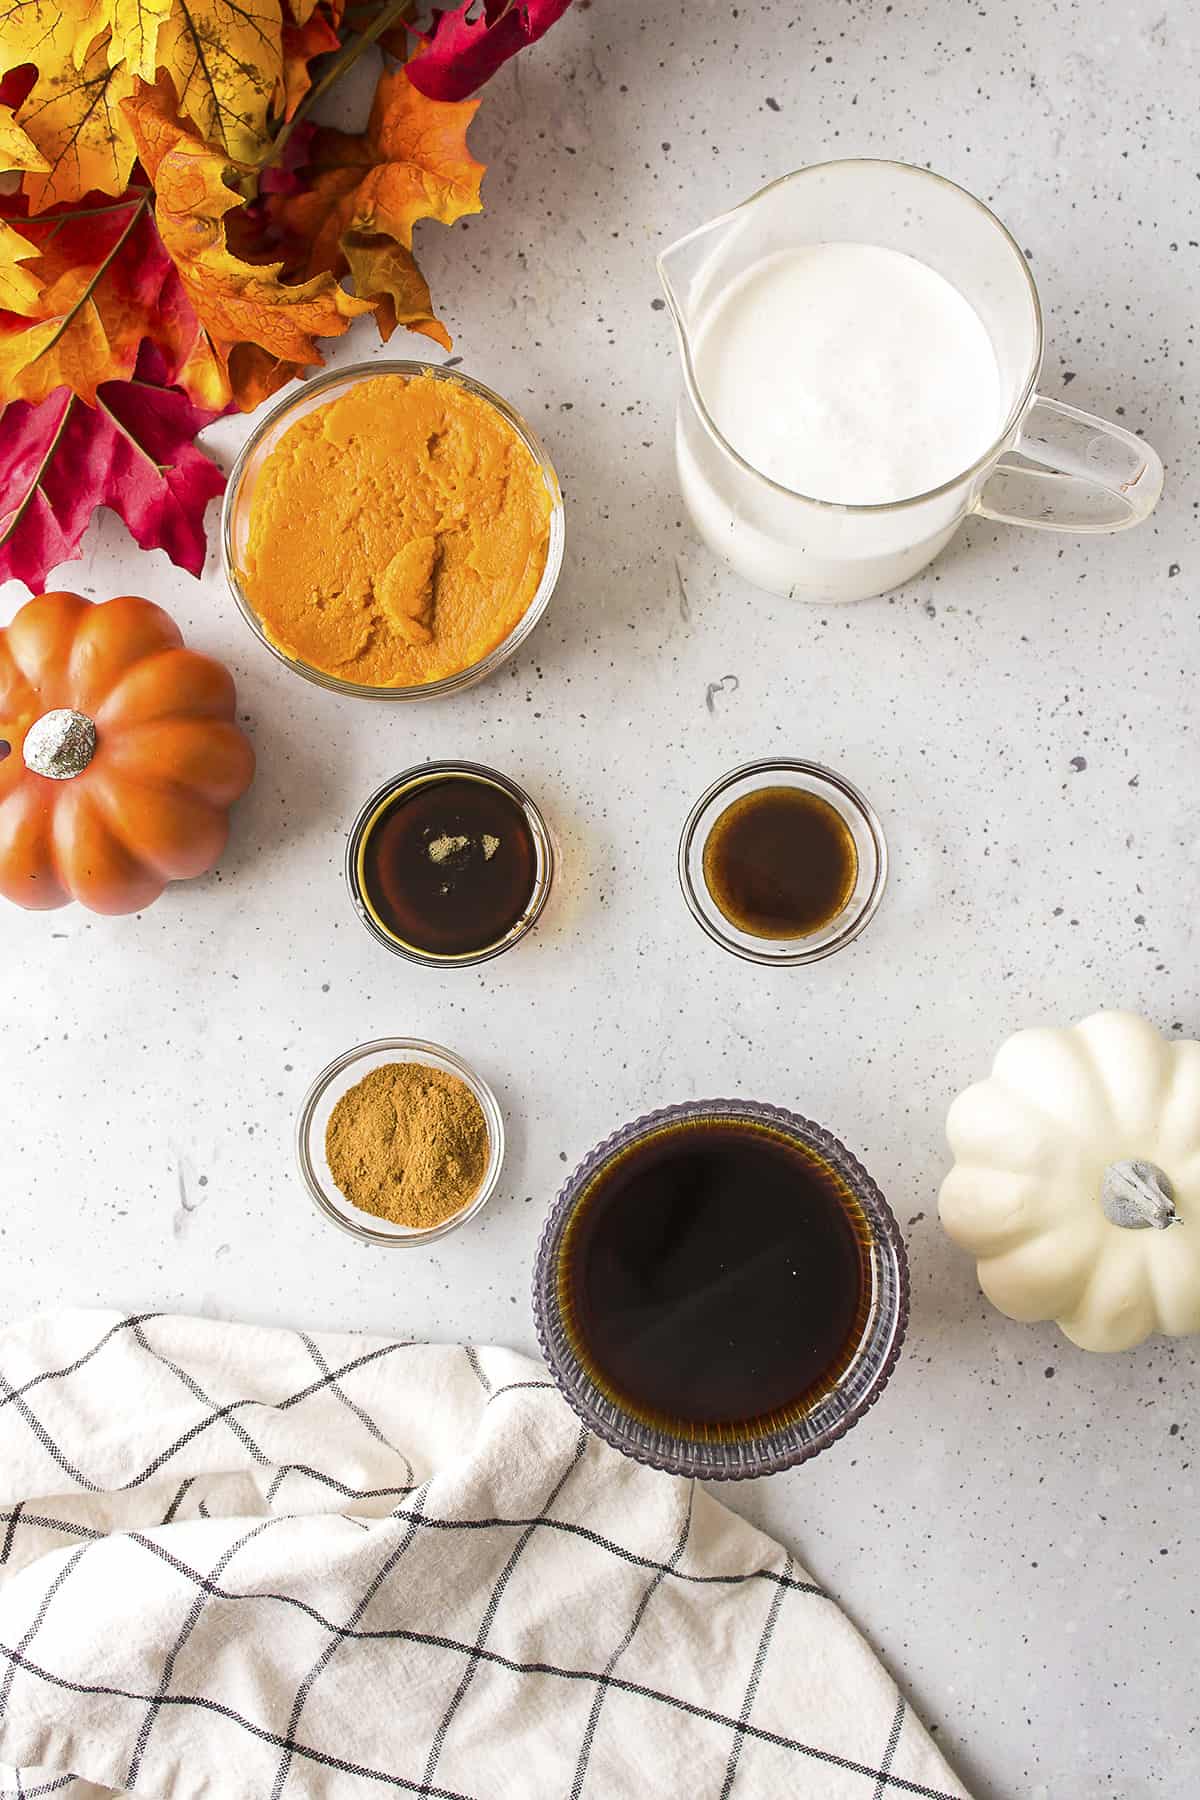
238, 303
301, 43
367, 190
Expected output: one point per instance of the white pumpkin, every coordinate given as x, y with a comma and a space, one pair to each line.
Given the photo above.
1076, 1180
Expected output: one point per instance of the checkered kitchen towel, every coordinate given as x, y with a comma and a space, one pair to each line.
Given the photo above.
241, 1564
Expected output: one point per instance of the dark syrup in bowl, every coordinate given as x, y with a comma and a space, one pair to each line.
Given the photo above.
715, 1278
450, 866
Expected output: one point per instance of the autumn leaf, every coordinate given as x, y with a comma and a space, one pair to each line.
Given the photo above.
467, 44
388, 273
20, 292
102, 283
411, 163
17, 150
301, 44
366, 191
132, 452
237, 302
72, 115
225, 58
134, 28
87, 329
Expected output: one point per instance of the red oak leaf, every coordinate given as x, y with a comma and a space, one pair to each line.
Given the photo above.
466, 46
132, 451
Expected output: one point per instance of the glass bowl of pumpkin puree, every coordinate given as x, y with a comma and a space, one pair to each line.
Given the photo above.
393, 530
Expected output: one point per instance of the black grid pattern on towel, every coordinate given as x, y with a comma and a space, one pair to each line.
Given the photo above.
31, 1790
648, 1593
389, 1778
304, 1738
339, 1637
759, 1664
890, 1751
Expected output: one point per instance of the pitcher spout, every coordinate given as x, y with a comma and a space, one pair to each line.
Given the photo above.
688, 271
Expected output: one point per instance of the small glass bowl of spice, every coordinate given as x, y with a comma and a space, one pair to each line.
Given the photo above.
783, 862
449, 864
393, 531
400, 1142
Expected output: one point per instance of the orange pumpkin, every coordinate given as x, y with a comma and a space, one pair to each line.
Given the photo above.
119, 755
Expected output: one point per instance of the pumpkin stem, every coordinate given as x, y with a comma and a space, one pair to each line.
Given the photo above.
1137, 1195
60, 744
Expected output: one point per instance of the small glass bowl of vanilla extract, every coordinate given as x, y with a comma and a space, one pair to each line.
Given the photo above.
783, 861
449, 864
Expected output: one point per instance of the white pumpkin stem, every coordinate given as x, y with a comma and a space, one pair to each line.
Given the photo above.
60, 744
1137, 1195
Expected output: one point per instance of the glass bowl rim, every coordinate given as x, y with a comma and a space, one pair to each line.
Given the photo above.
438, 771
856, 922
418, 1047
350, 376
753, 1457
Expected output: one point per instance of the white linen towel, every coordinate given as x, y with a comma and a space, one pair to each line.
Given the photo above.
245, 1564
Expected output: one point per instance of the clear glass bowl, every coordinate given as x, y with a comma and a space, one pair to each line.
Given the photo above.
421, 776
324, 1095
239, 498
829, 1418
852, 808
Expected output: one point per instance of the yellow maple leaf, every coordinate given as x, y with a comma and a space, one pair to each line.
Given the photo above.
20, 292
51, 34
224, 56
72, 115
135, 25
17, 150
237, 302
369, 189
225, 59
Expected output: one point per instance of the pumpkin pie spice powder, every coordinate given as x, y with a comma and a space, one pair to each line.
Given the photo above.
409, 1144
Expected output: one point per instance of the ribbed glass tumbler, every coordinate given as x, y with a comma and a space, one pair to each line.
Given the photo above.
731, 1451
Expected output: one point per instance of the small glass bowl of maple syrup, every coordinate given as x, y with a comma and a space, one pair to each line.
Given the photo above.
449, 864
783, 861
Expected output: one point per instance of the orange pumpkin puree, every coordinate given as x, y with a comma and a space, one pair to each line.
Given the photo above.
398, 534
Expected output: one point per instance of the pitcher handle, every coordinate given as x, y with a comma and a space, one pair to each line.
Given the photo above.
1069, 471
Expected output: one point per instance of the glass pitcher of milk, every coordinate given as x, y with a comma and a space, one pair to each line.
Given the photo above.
861, 344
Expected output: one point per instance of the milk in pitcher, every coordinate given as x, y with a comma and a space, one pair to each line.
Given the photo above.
861, 343
850, 373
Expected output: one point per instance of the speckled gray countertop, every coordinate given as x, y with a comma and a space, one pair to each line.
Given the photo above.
1015, 1525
